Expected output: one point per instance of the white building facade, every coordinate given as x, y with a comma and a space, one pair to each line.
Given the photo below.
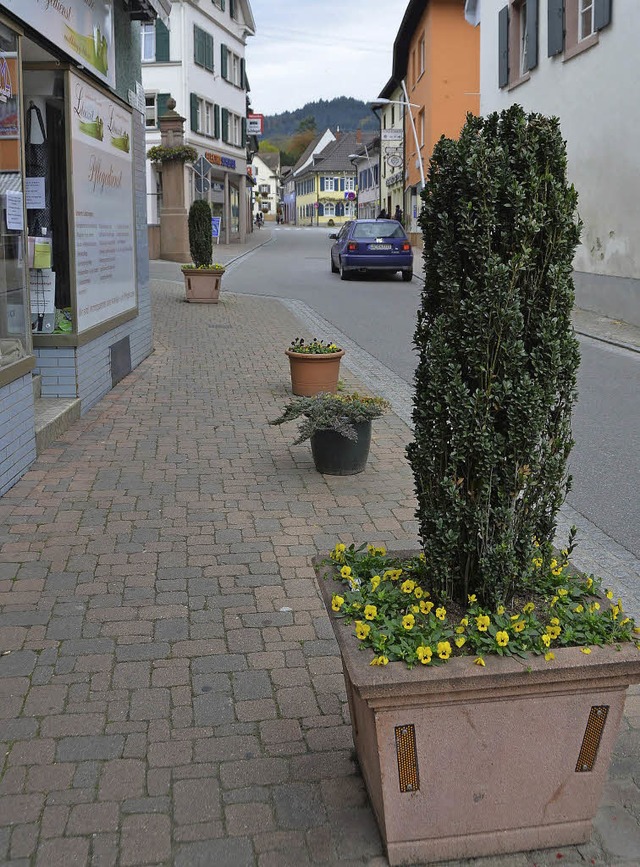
577, 59
265, 170
198, 58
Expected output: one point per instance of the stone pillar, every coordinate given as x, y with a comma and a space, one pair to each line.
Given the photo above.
227, 210
242, 210
174, 232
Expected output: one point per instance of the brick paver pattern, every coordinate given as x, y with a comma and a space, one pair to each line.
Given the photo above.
170, 690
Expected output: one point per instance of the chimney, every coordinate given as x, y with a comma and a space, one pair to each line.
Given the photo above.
359, 136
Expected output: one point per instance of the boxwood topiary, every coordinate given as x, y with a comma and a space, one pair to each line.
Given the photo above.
200, 242
496, 376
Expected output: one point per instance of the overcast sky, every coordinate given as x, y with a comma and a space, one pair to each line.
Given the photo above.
306, 50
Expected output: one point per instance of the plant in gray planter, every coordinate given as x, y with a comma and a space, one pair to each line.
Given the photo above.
499, 676
203, 278
338, 426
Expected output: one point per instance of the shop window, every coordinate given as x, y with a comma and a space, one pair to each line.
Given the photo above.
13, 290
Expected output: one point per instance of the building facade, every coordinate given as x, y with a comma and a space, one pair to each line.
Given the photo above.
574, 59
74, 287
265, 171
198, 58
391, 115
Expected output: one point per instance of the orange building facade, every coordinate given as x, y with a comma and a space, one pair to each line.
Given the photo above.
437, 54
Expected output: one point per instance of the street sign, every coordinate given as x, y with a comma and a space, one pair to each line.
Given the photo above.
215, 227
255, 124
202, 184
391, 135
202, 167
394, 160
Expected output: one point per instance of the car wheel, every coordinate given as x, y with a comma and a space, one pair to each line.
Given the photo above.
407, 276
334, 270
344, 275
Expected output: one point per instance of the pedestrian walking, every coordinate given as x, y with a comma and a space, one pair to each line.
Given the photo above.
382, 215
398, 214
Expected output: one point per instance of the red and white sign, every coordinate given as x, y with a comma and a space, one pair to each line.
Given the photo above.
255, 124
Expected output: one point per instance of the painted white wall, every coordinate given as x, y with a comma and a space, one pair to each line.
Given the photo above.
264, 175
595, 95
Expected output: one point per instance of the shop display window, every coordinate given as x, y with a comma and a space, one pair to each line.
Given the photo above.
13, 281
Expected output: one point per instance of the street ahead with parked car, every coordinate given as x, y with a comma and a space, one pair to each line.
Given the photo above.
371, 245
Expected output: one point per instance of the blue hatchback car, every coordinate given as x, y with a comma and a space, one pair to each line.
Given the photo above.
371, 245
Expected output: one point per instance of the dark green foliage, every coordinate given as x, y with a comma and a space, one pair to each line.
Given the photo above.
344, 112
200, 243
496, 377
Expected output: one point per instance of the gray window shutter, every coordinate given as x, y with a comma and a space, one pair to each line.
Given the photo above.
225, 124
555, 27
223, 61
162, 41
532, 34
503, 47
161, 103
197, 45
602, 14
244, 132
194, 112
216, 121
232, 8
321, 210
208, 54
243, 78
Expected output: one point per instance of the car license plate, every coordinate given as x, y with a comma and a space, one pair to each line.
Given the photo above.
380, 246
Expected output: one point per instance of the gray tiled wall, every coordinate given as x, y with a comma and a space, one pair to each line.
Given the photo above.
17, 431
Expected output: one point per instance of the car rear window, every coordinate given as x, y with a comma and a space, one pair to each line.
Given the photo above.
379, 229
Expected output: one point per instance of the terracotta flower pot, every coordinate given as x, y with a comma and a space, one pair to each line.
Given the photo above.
311, 374
202, 286
462, 761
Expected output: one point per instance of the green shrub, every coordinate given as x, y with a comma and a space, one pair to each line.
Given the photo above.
200, 242
496, 376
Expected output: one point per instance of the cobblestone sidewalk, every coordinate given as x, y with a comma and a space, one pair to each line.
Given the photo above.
170, 691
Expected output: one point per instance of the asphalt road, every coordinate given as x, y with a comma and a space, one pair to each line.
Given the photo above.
379, 315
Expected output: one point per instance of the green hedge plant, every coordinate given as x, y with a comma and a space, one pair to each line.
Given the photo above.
496, 375
200, 242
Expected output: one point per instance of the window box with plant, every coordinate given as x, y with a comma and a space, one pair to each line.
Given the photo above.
486, 678
314, 366
202, 279
338, 427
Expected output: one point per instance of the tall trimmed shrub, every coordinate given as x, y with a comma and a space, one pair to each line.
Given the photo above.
496, 376
200, 242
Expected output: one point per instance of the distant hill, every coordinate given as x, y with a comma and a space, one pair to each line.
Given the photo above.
345, 112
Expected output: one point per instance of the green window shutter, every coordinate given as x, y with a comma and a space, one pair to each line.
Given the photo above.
503, 47
208, 57
162, 41
555, 27
532, 34
216, 121
225, 124
223, 61
161, 103
602, 14
243, 77
194, 112
197, 45
244, 132
232, 8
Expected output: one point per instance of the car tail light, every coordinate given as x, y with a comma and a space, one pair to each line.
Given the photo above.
352, 246
406, 246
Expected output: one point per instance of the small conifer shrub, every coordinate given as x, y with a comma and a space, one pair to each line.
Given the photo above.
496, 375
200, 243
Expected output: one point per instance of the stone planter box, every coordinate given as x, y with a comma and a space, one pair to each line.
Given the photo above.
463, 761
202, 286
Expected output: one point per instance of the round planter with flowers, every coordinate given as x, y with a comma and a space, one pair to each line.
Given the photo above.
314, 366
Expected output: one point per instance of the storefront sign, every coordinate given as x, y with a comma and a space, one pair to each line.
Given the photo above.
82, 28
217, 160
391, 135
255, 124
103, 198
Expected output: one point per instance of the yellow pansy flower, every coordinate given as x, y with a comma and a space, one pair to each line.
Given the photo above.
546, 639
609, 594
553, 631
444, 649
552, 604
362, 629
554, 621
345, 571
537, 562
595, 606
464, 621
424, 654
615, 611
500, 610
528, 608
519, 626
379, 660
479, 661
441, 613
370, 612
408, 621
482, 622
418, 592
549, 655
459, 630
589, 583
472, 598
460, 641
408, 586
415, 609
337, 602
502, 638
586, 650
562, 592
557, 570
425, 607
375, 582
579, 609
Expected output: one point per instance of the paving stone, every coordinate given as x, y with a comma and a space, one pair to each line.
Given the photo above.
93, 818
67, 852
298, 805
147, 704
196, 801
78, 749
17, 663
120, 779
145, 839
234, 852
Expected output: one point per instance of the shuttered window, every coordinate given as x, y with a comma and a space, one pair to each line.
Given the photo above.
573, 25
224, 62
216, 121
195, 112
161, 103
555, 27
503, 47
225, 124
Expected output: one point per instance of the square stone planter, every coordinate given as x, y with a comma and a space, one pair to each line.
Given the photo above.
202, 286
463, 761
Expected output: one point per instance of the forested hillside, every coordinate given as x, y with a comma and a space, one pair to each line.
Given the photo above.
343, 112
